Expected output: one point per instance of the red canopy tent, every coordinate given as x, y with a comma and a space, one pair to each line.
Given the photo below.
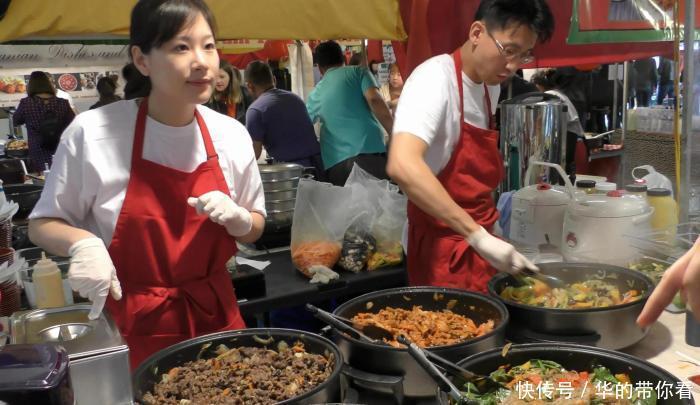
440, 26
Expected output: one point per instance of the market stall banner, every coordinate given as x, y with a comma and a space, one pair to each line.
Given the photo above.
617, 21
61, 55
78, 82
440, 26
264, 19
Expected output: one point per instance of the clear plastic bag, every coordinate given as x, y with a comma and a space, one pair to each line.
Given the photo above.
382, 201
318, 225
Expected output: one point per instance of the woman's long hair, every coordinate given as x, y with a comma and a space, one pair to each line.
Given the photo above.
232, 94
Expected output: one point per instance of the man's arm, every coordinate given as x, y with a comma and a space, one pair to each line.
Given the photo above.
257, 147
379, 108
407, 167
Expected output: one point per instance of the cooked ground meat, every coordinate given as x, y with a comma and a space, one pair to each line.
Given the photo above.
424, 328
245, 375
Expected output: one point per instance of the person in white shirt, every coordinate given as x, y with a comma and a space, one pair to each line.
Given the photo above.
444, 153
149, 196
62, 94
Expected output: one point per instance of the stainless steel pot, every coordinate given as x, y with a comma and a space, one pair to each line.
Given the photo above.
151, 370
277, 220
398, 363
611, 327
533, 127
290, 194
280, 185
280, 171
279, 205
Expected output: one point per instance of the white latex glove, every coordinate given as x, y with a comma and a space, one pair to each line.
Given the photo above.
502, 255
322, 274
222, 210
92, 273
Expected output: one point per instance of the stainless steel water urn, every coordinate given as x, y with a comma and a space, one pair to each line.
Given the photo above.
533, 127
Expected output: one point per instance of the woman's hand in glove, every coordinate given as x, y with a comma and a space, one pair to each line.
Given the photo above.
500, 254
92, 273
222, 210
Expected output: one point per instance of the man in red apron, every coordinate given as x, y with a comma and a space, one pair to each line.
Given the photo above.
444, 153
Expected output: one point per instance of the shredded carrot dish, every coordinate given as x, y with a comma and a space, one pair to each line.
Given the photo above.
307, 254
424, 328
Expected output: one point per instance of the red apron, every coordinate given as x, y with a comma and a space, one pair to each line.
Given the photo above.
170, 261
437, 255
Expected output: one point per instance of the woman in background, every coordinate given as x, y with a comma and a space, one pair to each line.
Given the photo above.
46, 116
229, 97
391, 90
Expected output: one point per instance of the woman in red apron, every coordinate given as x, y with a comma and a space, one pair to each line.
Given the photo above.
165, 266
451, 211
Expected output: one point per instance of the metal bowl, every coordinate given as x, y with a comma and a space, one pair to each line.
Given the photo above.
150, 371
280, 171
290, 194
610, 327
279, 205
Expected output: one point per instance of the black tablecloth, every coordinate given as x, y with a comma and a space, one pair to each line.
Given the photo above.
287, 287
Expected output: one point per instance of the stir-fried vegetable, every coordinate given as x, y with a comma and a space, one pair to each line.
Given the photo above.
593, 293
546, 381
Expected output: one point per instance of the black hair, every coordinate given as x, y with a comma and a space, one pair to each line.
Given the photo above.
39, 83
106, 87
546, 79
329, 54
153, 23
355, 59
500, 14
137, 85
259, 74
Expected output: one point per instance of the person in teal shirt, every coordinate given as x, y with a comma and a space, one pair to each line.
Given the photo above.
353, 116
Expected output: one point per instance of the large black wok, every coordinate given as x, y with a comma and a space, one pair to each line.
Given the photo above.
151, 370
579, 358
610, 328
390, 361
25, 195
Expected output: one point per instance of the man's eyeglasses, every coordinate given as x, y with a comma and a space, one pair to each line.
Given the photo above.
511, 54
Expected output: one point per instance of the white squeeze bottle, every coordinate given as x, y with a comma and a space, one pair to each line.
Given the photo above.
48, 285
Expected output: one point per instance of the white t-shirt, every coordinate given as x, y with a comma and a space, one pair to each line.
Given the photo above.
62, 94
429, 108
87, 182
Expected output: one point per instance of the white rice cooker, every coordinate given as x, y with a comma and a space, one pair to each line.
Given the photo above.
537, 211
595, 228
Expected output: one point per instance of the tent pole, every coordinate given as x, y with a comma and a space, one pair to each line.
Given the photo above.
616, 95
688, 109
625, 96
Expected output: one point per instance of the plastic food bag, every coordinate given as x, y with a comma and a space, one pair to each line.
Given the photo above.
318, 225
388, 208
358, 245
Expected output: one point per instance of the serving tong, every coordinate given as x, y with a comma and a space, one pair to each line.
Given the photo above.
434, 365
370, 333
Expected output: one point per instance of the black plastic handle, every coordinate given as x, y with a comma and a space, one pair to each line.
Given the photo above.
337, 324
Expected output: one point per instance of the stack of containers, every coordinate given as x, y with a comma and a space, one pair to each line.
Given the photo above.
280, 182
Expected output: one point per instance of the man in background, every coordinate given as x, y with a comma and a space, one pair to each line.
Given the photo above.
277, 120
352, 114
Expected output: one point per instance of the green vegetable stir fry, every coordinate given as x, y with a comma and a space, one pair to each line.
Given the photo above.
547, 382
585, 294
